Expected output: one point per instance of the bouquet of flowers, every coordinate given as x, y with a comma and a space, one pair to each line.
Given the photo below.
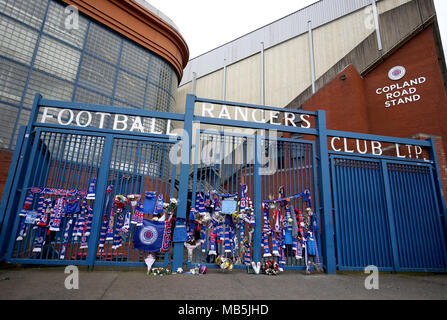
270, 267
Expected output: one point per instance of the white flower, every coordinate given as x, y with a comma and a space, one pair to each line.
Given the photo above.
174, 201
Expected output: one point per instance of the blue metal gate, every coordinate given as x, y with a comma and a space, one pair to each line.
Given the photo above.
225, 165
386, 214
362, 209
84, 168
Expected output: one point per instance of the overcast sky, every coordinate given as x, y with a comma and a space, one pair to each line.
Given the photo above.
207, 24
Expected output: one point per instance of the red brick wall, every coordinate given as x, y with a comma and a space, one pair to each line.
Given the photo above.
429, 114
354, 105
5, 161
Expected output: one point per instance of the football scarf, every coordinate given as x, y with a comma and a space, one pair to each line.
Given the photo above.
139, 215
296, 248
266, 226
266, 244
117, 207
192, 224
72, 208
247, 253
243, 202
216, 203
117, 239
88, 227
22, 229
103, 233
159, 204
282, 256
27, 204
59, 192
66, 236
277, 219
276, 244
39, 241
126, 226
57, 214
207, 202
203, 237
212, 242
91, 193
227, 242
134, 200
310, 244
42, 211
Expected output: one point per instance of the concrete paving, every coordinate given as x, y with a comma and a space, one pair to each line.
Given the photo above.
133, 283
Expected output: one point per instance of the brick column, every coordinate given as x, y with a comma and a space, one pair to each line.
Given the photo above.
442, 158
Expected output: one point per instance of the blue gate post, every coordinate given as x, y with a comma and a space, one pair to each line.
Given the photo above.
325, 191
179, 232
257, 201
438, 184
98, 206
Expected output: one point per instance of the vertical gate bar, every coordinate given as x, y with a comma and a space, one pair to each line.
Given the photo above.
361, 216
195, 168
72, 172
98, 207
302, 172
38, 179
288, 166
372, 211
61, 166
69, 161
398, 202
425, 236
338, 234
404, 213
354, 214
57, 161
390, 212
344, 168
366, 213
47, 174
97, 154
328, 248
350, 205
315, 199
410, 214
83, 164
257, 202
382, 229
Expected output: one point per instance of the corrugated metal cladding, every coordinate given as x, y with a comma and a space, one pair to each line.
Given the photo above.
291, 26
